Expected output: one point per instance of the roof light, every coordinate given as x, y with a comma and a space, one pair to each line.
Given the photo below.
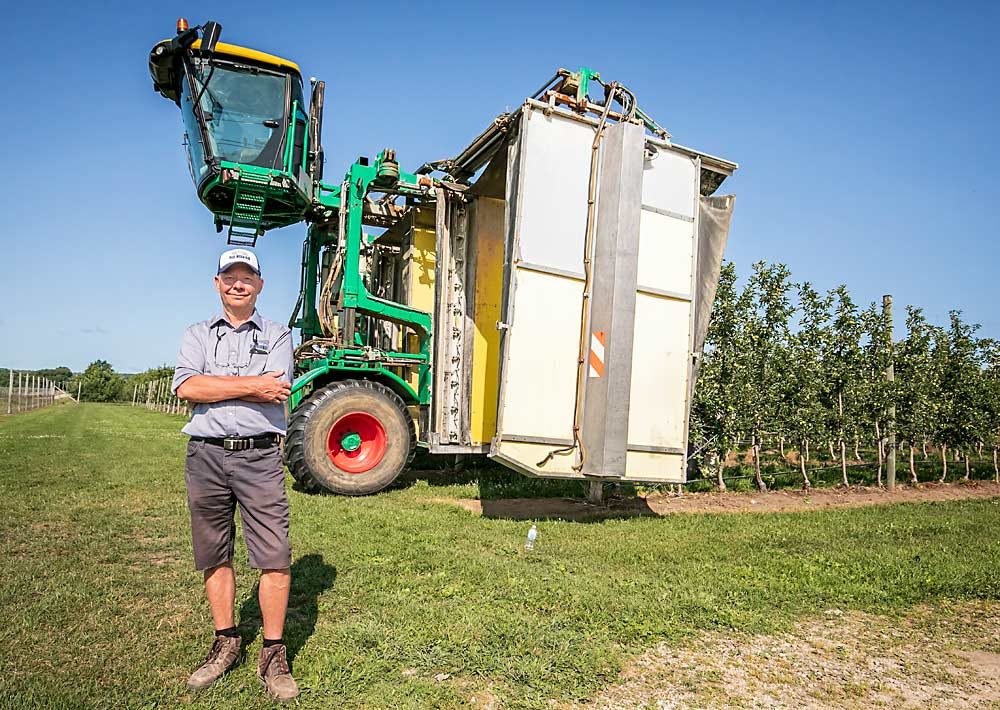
182, 25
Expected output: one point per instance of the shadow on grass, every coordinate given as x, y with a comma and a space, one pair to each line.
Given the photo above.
493, 480
311, 576
575, 509
506, 494
503, 493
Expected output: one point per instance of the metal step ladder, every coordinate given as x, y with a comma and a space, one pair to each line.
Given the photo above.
248, 209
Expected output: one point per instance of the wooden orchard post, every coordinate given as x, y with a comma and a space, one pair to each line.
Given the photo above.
10, 388
890, 425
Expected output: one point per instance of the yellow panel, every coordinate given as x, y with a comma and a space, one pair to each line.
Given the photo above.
419, 272
233, 50
488, 225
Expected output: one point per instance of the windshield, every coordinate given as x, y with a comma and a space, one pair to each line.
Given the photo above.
244, 111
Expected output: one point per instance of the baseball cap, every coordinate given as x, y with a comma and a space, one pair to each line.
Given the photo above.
231, 257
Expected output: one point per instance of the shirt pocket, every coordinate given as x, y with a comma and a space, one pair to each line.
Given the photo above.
257, 363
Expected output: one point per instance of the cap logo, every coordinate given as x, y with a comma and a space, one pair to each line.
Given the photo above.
236, 256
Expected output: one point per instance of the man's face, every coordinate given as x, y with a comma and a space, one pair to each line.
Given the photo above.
238, 287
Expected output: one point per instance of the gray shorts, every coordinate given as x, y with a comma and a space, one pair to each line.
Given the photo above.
219, 480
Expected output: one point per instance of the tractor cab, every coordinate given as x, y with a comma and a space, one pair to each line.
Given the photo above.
252, 143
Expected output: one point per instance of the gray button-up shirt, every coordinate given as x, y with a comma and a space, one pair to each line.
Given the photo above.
214, 347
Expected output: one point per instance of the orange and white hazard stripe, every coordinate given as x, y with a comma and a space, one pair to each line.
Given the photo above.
597, 354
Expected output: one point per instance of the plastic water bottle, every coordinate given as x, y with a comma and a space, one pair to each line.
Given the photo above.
529, 544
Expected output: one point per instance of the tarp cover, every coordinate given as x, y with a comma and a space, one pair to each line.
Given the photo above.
714, 216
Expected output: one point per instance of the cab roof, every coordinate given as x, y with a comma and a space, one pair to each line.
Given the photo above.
234, 51
164, 66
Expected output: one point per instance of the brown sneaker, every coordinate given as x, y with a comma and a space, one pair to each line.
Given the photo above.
223, 655
273, 671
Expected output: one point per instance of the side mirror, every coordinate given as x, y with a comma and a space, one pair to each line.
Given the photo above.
210, 32
316, 129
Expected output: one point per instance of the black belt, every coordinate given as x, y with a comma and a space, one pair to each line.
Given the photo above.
241, 443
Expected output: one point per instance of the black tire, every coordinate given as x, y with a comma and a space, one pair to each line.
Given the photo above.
310, 425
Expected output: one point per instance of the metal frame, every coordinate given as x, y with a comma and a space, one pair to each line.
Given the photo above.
452, 355
351, 356
611, 306
515, 160
668, 213
713, 162
692, 356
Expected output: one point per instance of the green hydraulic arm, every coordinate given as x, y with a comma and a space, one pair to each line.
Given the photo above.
355, 299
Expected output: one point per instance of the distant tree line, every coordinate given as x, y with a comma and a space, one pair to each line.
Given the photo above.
801, 370
102, 384
99, 382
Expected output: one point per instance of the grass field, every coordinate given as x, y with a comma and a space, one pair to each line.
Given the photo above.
400, 600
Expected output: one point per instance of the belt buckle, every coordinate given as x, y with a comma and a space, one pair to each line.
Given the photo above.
236, 444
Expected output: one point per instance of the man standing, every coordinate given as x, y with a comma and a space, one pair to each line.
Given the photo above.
236, 368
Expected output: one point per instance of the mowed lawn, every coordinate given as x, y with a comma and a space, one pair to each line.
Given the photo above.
402, 600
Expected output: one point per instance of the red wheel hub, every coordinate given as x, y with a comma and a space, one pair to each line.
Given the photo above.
356, 443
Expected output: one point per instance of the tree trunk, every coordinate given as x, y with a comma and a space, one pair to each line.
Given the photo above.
966, 457
829, 446
955, 455
843, 446
781, 445
843, 463
720, 483
996, 471
979, 449
925, 450
758, 480
880, 452
913, 469
857, 446
944, 463
807, 449
802, 467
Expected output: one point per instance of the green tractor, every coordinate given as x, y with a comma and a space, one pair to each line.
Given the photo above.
405, 326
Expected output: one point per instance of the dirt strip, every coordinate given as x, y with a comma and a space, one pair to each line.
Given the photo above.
768, 502
946, 656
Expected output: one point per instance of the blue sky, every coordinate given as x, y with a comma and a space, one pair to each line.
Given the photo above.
866, 135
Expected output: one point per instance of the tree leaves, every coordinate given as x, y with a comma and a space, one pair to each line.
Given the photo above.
812, 370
